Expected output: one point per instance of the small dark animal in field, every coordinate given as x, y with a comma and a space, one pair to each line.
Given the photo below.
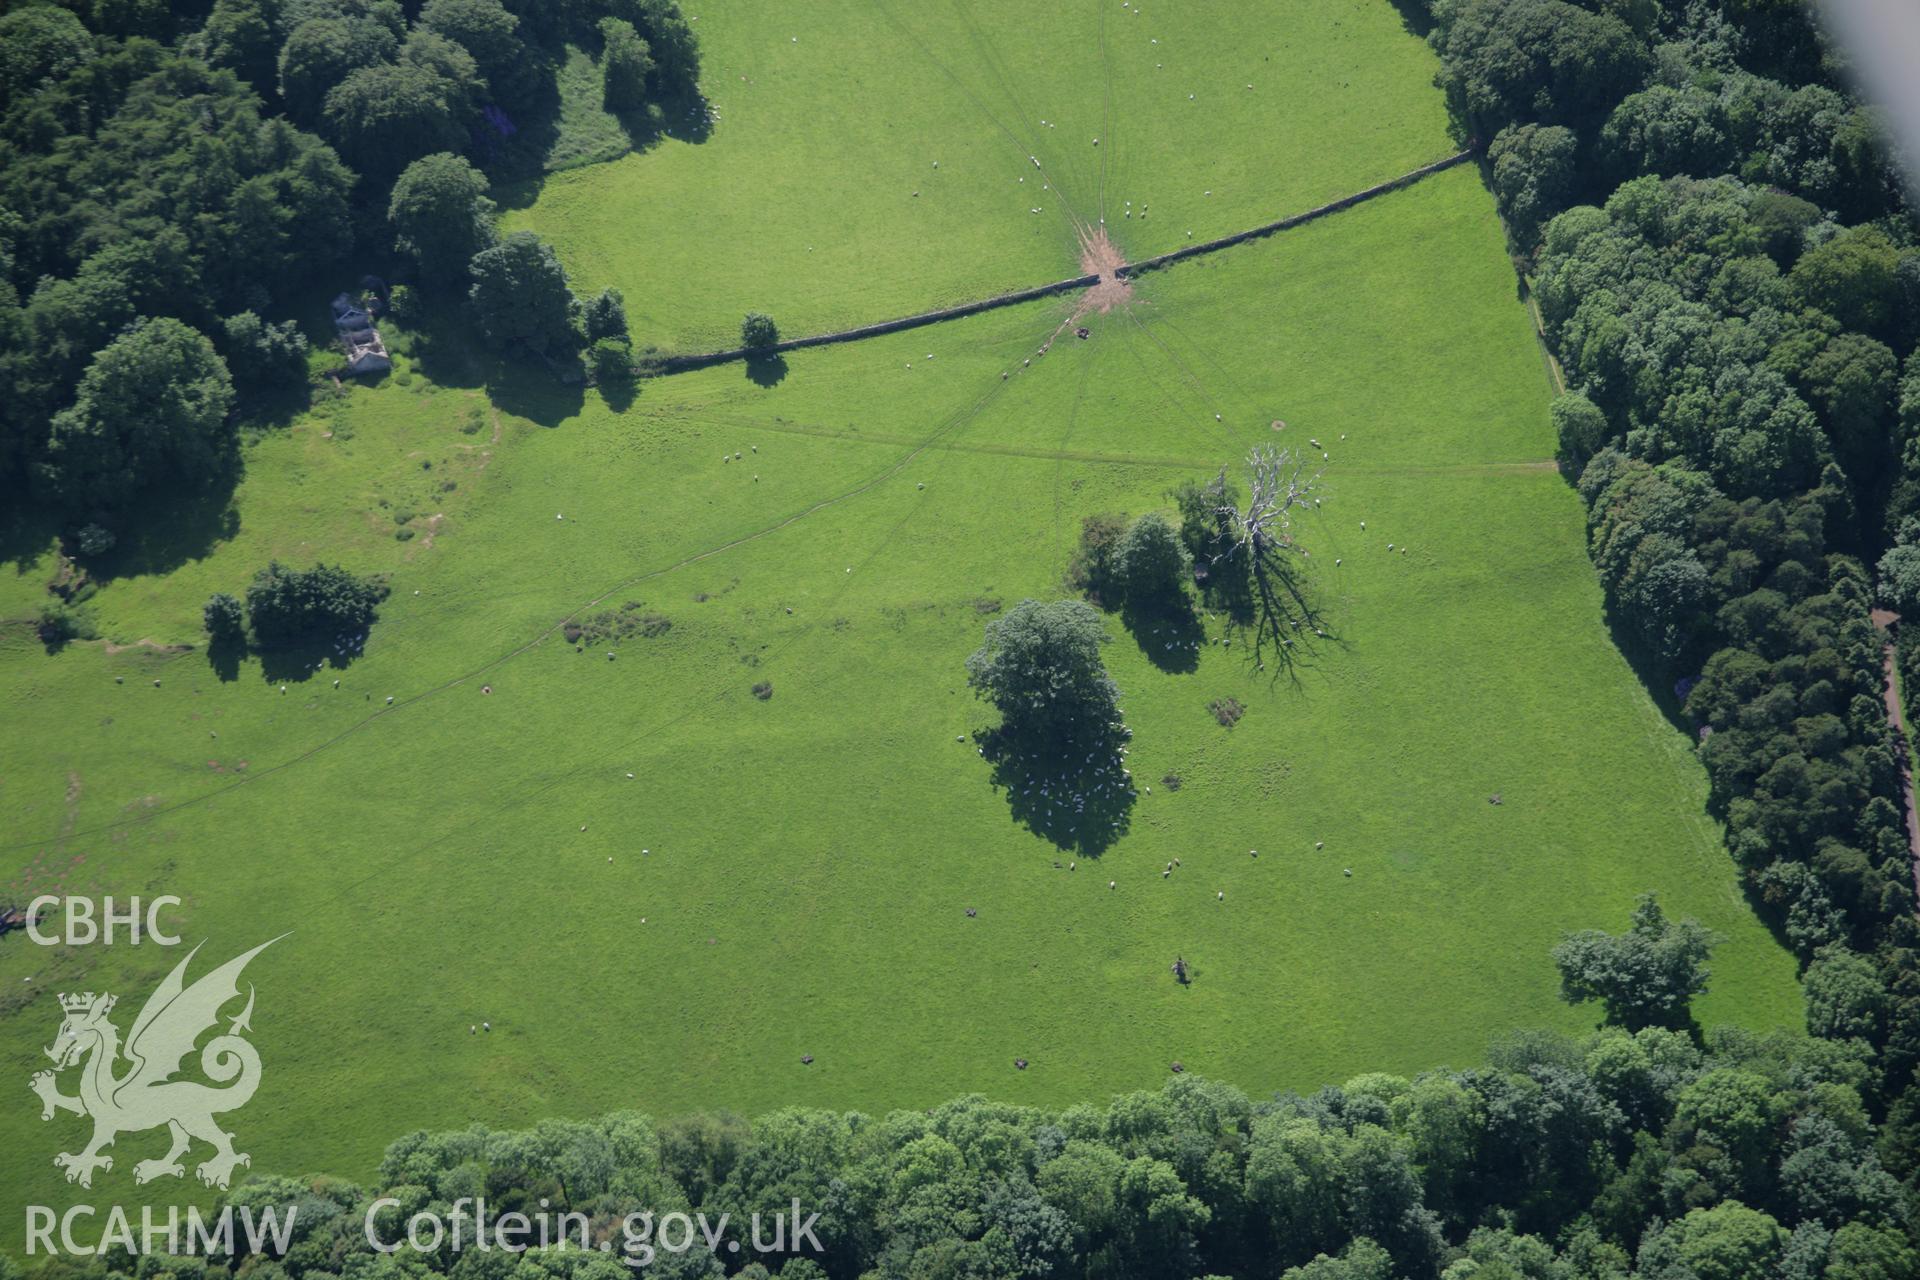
1494, 798
1177, 1068
1020, 1063
971, 913
806, 1059
1180, 971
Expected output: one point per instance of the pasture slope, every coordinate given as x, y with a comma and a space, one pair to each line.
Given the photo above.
662, 891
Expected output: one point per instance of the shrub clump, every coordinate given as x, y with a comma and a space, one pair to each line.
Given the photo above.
616, 624
763, 690
285, 605
758, 332
1093, 569
60, 622
224, 619
1227, 711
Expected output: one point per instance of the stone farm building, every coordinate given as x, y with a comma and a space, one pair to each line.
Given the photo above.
365, 352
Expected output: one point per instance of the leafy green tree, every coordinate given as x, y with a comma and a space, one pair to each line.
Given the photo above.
151, 409
1667, 131
758, 332
1851, 277
1150, 561
626, 65
441, 217
1041, 666
1207, 527
1863, 1251
288, 606
1851, 383
385, 116
488, 32
1361, 1260
1159, 1222
1846, 1000
1781, 219
1580, 427
1727, 1242
262, 355
669, 37
1508, 61
1733, 1116
224, 619
39, 43
605, 316
321, 52
1092, 569
1899, 569
611, 360
1647, 976
240, 36
1533, 173
520, 295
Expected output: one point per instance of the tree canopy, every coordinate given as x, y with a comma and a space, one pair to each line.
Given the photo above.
1041, 667
151, 408
441, 217
520, 295
1645, 977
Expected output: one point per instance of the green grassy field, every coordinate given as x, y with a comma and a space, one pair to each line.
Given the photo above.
816, 197
792, 876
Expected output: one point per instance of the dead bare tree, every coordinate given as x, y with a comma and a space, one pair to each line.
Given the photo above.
1278, 481
1260, 538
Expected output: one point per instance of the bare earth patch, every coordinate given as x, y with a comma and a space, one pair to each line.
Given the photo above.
1100, 256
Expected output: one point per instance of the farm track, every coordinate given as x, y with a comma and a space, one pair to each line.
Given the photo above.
705, 359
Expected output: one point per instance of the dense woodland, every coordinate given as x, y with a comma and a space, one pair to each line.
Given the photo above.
1727, 271
181, 184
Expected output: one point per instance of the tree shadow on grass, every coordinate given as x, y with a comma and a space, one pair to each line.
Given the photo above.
1414, 17
1073, 792
443, 346
161, 533
766, 371
293, 662
528, 388
517, 163
27, 530
1167, 630
619, 393
225, 656
1273, 611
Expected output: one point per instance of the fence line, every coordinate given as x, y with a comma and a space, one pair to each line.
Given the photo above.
1299, 219
701, 360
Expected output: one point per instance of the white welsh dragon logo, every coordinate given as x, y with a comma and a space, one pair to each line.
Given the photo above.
146, 1095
